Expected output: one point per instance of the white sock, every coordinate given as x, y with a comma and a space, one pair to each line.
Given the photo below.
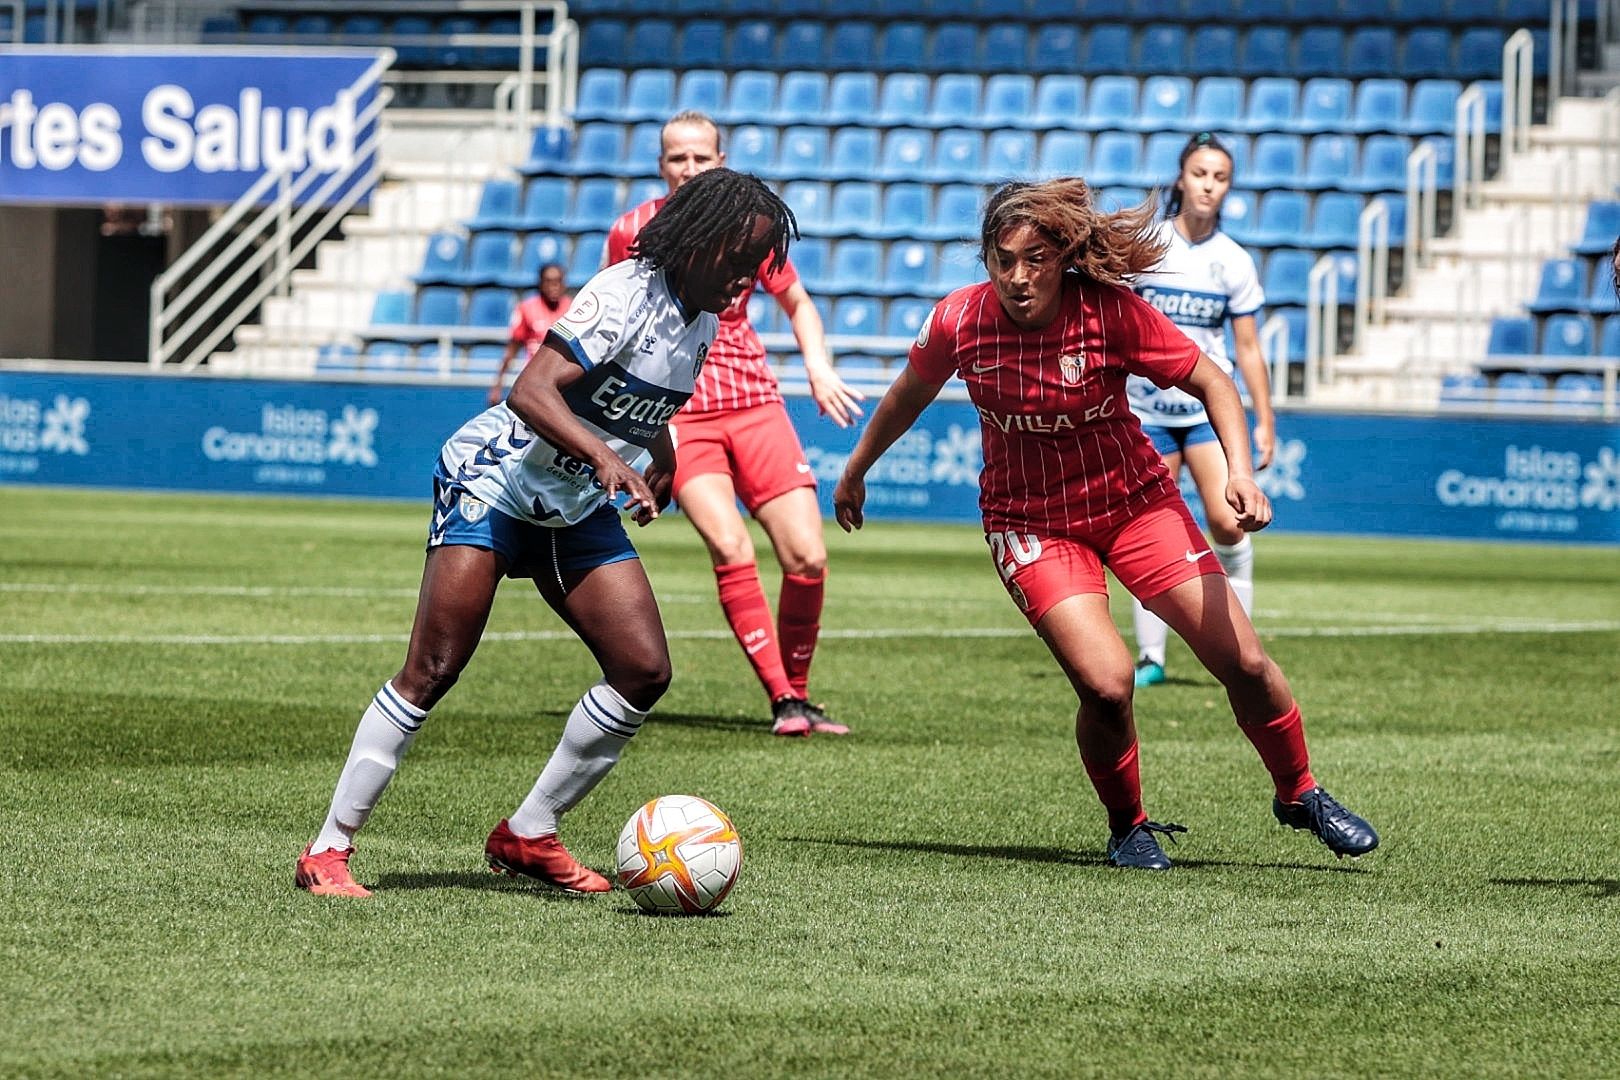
597, 730
1151, 633
386, 731
1238, 562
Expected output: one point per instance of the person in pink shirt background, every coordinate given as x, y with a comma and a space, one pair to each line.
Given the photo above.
531, 320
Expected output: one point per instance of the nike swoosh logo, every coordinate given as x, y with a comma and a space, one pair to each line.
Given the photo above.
982, 369
1190, 557
752, 649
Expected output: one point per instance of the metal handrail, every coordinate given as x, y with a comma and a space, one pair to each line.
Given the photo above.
1321, 323
1518, 78
1274, 343
1468, 158
163, 340
1422, 199
1563, 27
1372, 255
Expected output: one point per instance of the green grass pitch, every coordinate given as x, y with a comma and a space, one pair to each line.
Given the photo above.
180, 676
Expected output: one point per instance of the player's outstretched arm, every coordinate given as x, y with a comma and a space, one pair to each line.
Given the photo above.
834, 398
498, 389
1218, 392
537, 400
1252, 363
905, 400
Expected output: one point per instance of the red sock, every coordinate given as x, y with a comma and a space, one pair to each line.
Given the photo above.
798, 622
1119, 787
743, 601
1281, 743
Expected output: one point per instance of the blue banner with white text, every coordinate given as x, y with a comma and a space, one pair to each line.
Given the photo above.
195, 126
1334, 473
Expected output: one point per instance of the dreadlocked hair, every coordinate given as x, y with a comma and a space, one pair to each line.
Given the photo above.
715, 211
1110, 248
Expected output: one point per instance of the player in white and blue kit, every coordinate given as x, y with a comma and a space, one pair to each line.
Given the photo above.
1204, 281
526, 489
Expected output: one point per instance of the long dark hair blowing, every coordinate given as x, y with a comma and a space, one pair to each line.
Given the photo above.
1203, 140
1107, 247
712, 212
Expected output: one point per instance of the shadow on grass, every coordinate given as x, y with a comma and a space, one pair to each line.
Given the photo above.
642, 913
743, 724
1603, 888
1023, 853
473, 879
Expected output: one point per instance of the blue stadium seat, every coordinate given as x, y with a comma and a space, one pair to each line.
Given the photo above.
1279, 160
1008, 155
490, 307
702, 45
1380, 106
1479, 54
906, 153
1265, 51
1286, 274
1567, 335
1213, 50
1273, 105
803, 45
1369, 53
752, 148
903, 101
1217, 105
1064, 153
1055, 49
956, 212
549, 147
1106, 47
336, 356
908, 269
1282, 219
1166, 103
1433, 108
1161, 158
1562, 288
1336, 221
1426, 53
438, 305
643, 148
443, 261
1608, 339
489, 259
1009, 101
1383, 165
810, 260
649, 94
1161, 48
856, 316
906, 211
854, 154
601, 44
905, 315
507, 57
1600, 297
1112, 103
801, 98
1116, 158
955, 47
802, 153
389, 356
598, 151
1577, 390
856, 266
601, 94
497, 206
765, 314
1319, 50
1059, 101
811, 203
1325, 105
645, 189
956, 101
1239, 214
754, 42
1328, 160
484, 358
852, 98
1602, 226
1521, 388
595, 205
1005, 48
856, 207
958, 156
958, 266
1121, 197
703, 90
1471, 388
1157, 9
456, 56
1511, 335
899, 46
586, 259
750, 98
539, 248
648, 45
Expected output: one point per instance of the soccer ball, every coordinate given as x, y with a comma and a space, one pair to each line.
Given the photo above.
679, 855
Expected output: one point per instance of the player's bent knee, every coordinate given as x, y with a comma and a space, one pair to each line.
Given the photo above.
642, 683
1109, 698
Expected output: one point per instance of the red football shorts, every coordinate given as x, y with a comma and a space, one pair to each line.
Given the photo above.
757, 447
1154, 551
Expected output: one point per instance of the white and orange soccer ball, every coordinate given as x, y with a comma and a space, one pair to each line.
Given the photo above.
679, 855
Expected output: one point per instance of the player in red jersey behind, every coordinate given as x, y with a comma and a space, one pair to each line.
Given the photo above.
1071, 484
734, 440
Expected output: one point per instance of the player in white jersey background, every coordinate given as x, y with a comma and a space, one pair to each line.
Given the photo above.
1205, 280
525, 489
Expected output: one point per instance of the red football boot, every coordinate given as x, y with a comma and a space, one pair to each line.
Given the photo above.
327, 873
542, 858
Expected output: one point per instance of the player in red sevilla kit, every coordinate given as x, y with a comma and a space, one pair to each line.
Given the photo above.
734, 440
1071, 484
530, 324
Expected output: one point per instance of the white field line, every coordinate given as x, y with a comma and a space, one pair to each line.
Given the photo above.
1509, 627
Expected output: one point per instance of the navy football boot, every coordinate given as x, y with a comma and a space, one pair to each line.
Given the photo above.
1139, 849
1343, 832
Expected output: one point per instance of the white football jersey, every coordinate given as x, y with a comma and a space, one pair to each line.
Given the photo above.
1199, 287
641, 354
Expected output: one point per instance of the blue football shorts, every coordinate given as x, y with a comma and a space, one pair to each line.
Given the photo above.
1173, 440
529, 550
